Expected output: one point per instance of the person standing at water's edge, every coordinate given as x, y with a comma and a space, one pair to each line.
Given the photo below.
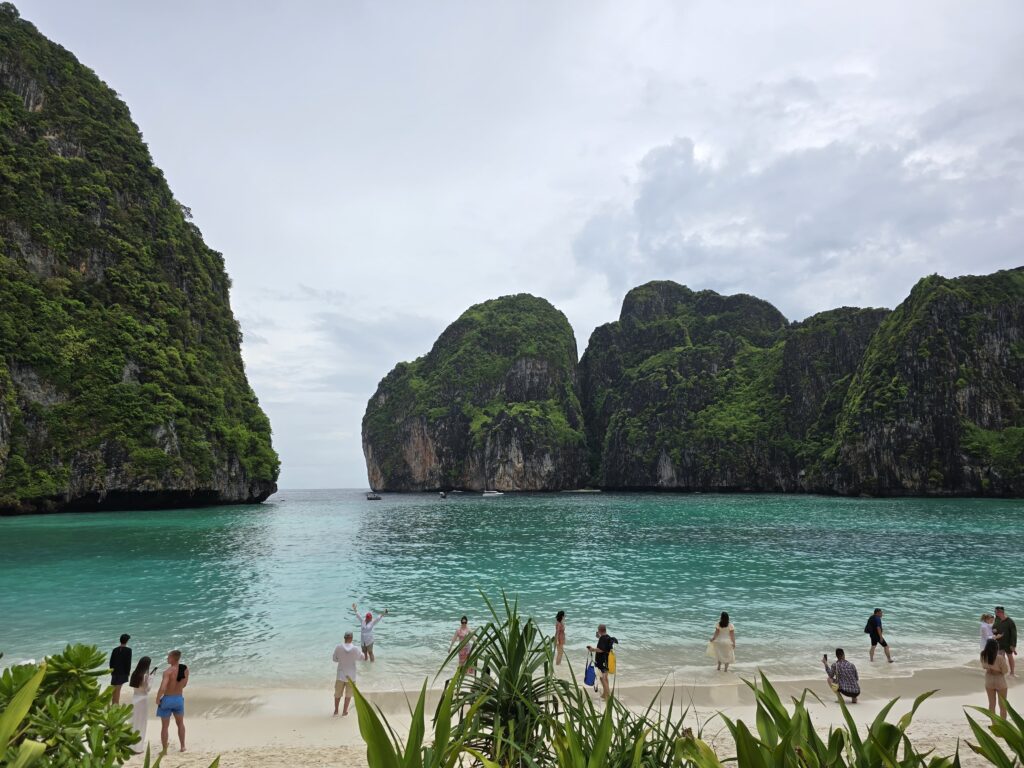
724, 642
346, 655
170, 699
462, 638
874, 629
120, 667
986, 629
604, 647
1005, 631
996, 667
366, 626
559, 636
843, 676
139, 683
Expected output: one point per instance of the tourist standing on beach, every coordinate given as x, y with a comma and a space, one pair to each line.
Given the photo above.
346, 655
1005, 631
559, 636
604, 647
170, 699
843, 676
366, 625
986, 629
120, 667
874, 629
996, 667
139, 683
724, 642
461, 637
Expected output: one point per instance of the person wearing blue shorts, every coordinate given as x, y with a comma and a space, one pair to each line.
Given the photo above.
170, 699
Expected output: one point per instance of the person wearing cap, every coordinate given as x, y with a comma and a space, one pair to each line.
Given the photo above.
1004, 630
120, 667
604, 647
366, 625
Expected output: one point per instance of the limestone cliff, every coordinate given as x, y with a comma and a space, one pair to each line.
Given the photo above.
121, 380
493, 405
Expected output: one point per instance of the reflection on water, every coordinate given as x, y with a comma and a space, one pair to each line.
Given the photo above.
262, 594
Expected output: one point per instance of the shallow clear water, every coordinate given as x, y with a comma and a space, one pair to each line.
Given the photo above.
261, 594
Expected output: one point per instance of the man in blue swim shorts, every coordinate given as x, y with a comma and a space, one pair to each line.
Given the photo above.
170, 699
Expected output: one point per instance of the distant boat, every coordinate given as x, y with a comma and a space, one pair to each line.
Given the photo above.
372, 496
493, 493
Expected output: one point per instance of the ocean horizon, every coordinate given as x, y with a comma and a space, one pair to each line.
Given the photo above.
260, 595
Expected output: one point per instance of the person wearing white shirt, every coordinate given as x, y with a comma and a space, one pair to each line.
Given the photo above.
366, 625
346, 655
986, 628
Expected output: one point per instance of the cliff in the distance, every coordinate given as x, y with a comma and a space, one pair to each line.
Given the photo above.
494, 405
121, 380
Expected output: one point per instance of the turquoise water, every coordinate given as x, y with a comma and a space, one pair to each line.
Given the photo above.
261, 594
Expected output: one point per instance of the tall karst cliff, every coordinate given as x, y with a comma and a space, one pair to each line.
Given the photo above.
937, 403
493, 405
121, 381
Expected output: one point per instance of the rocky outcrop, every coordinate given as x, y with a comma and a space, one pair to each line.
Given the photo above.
121, 379
493, 405
937, 404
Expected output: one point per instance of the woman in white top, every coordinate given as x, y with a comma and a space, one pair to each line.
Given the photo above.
139, 683
724, 642
986, 628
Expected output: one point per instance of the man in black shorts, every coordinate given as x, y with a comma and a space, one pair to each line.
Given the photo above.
874, 629
120, 667
604, 647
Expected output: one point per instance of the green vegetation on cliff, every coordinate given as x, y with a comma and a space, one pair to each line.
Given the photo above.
494, 404
119, 355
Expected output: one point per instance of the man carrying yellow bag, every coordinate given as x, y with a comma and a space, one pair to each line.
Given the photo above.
604, 657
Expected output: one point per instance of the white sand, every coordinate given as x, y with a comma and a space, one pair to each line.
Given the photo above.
294, 727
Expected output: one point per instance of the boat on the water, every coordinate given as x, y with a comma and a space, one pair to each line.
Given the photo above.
372, 496
493, 493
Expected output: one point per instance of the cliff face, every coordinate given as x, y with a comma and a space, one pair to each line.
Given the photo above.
494, 405
937, 404
121, 380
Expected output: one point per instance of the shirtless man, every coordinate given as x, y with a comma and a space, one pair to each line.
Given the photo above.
170, 699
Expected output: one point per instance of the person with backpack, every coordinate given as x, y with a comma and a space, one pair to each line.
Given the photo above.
874, 629
602, 652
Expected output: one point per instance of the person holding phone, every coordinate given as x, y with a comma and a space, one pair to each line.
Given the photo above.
842, 676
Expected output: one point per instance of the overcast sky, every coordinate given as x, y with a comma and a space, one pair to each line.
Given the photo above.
370, 169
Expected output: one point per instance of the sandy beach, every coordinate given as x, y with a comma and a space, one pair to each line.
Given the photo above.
294, 727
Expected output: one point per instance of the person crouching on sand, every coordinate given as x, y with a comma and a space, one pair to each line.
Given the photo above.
842, 676
996, 667
346, 655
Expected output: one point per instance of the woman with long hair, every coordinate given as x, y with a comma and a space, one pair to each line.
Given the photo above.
465, 647
139, 683
559, 636
724, 642
996, 667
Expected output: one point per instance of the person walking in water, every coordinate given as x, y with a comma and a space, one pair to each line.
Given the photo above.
604, 647
346, 656
996, 667
1005, 631
170, 699
139, 683
724, 642
461, 637
366, 626
559, 636
874, 629
843, 676
120, 667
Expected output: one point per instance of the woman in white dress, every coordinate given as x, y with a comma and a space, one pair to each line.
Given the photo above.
724, 642
139, 683
987, 619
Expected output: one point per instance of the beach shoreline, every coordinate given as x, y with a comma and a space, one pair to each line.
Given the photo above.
279, 727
